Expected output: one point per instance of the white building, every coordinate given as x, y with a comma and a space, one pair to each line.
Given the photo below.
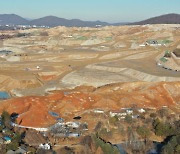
73, 124
45, 146
129, 111
117, 113
98, 111
74, 135
141, 111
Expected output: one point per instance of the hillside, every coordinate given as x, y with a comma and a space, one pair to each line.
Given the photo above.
12, 19
75, 102
53, 21
163, 19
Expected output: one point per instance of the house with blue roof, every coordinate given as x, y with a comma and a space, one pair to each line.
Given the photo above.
54, 114
7, 139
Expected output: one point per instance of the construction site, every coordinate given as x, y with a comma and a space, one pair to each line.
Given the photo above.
54, 77
58, 58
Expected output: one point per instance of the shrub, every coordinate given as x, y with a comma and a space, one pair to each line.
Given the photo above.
6, 119
107, 148
163, 112
17, 137
172, 146
21, 34
113, 120
164, 129
128, 119
98, 126
155, 122
44, 34
104, 132
144, 132
153, 115
32, 150
12, 146
167, 54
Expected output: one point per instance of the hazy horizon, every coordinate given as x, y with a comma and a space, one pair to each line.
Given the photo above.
91, 10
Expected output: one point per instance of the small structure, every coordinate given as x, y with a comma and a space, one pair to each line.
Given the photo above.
117, 113
154, 43
54, 114
73, 135
135, 116
38, 67
163, 59
98, 111
7, 139
69, 36
142, 45
167, 54
97, 26
61, 120
141, 111
121, 113
45, 146
73, 124
5, 52
129, 111
68, 129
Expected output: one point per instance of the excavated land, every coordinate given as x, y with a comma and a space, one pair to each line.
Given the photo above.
115, 61
34, 110
61, 57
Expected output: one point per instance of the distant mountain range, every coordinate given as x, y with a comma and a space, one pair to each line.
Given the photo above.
52, 21
163, 19
12, 19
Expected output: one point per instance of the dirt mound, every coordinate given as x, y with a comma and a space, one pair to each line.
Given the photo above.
35, 111
8, 83
46, 76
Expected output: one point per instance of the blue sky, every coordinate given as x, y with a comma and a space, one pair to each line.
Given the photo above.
104, 10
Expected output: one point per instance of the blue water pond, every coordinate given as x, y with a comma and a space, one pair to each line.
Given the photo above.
4, 95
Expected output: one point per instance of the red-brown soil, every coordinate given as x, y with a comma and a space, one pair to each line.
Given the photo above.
34, 109
48, 77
